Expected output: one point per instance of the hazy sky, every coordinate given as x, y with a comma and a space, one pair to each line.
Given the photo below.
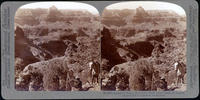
148, 5
62, 5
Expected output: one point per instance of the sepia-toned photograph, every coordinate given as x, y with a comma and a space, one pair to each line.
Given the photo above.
57, 47
130, 46
143, 47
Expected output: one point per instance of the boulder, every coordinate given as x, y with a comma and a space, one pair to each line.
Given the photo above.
133, 75
48, 73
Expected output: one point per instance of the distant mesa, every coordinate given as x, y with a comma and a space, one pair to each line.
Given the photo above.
53, 13
140, 12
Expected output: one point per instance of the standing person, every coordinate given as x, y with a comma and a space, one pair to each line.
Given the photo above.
180, 69
94, 70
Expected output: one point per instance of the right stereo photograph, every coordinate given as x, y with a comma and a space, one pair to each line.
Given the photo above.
143, 47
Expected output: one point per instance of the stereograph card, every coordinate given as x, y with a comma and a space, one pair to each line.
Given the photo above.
99, 49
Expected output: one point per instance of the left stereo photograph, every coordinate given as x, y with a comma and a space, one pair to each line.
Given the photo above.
57, 46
